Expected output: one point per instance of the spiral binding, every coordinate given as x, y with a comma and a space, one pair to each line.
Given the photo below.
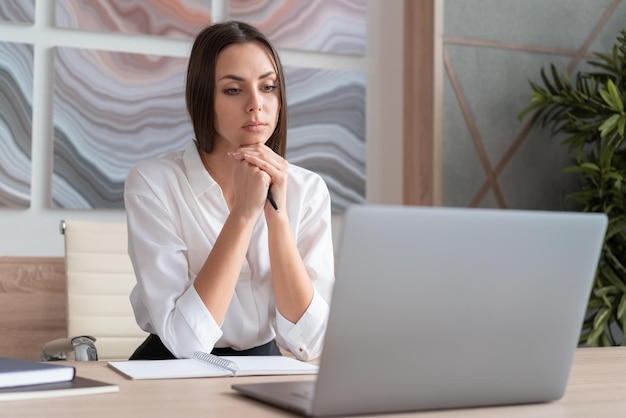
215, 361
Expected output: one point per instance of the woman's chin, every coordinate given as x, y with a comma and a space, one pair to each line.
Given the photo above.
253, 141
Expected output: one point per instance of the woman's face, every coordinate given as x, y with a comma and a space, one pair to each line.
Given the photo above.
247, 100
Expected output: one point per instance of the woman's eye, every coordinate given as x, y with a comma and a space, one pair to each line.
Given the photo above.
232, 91
269, 88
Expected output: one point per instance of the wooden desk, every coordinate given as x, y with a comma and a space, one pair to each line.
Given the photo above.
597, 388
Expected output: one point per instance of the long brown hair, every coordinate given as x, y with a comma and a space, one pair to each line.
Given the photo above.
200, 91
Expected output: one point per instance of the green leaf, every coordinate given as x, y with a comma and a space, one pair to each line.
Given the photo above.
615, 96
546, 82
614, 266
556, 78
616, 287
622, 307
590, 166
601, 318
606, 157
598, 328
608, 125
611, 96
616, 226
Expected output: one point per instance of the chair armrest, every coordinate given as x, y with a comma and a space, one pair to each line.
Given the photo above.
83, 346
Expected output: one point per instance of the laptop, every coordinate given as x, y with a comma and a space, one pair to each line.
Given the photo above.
449, 308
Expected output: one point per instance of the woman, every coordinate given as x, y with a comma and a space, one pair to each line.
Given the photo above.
219, 268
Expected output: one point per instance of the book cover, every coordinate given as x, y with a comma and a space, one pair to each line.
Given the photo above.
75, 387
209, 365
15, 372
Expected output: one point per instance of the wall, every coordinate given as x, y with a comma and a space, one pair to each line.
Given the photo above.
491, 49
33, 232
489, 157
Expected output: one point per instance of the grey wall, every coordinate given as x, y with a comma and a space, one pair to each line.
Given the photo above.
491, 49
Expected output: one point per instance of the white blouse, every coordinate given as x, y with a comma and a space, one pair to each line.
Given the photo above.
175, 211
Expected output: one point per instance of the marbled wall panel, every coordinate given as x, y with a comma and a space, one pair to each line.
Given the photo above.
18, 11
114, 109
110, 111
173, 18
16, 92
327, 129
337, 26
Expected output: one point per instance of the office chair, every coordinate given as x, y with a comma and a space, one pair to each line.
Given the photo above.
100, 320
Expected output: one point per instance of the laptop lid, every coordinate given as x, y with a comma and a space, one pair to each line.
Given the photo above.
448, 307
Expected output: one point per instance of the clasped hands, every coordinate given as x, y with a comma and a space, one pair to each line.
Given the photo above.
259, 169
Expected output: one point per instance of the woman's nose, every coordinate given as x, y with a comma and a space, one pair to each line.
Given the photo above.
254, 104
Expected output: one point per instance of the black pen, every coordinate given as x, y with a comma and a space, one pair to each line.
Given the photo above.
272, 201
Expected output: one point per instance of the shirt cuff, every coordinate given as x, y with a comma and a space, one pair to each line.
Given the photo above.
304, 339
199, 319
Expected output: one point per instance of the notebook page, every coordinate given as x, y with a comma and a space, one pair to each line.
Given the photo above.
166, 369
270, 365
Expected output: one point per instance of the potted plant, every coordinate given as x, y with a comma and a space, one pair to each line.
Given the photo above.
591, 113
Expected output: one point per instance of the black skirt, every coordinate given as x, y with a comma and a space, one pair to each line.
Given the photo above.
154, 349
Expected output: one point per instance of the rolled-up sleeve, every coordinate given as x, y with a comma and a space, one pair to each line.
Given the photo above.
165, 301
305, 338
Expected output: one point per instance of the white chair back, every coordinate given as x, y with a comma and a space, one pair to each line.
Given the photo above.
99, 280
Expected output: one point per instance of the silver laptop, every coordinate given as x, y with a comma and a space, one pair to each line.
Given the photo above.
446, 308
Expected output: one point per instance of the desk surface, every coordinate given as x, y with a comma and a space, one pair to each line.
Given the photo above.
597, 387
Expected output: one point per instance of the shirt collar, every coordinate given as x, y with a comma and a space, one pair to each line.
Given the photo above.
199, 178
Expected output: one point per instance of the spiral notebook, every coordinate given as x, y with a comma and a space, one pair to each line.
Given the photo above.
209, 365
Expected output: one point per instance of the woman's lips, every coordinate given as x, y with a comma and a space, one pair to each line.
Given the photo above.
254, 126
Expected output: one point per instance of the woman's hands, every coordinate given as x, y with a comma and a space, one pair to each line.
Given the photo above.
259, 169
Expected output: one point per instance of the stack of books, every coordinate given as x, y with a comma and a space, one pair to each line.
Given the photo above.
23, 379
